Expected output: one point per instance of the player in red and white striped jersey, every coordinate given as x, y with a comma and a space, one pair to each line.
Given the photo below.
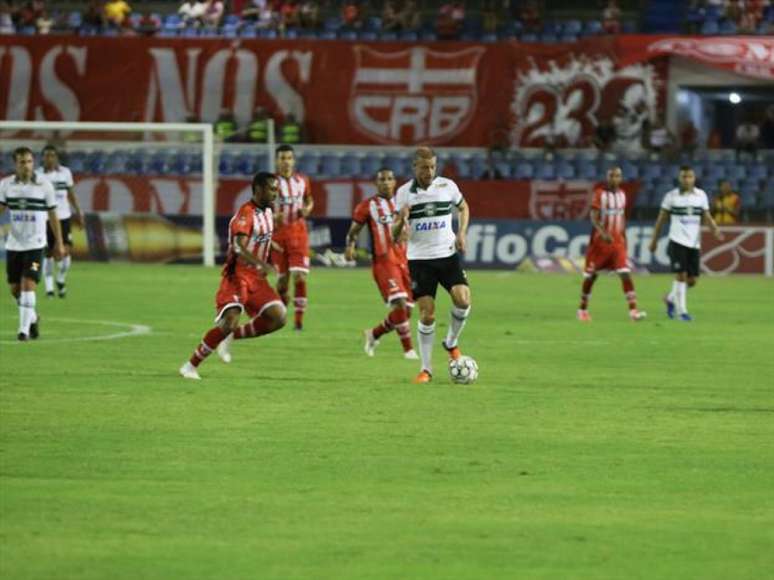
607, 248
243, 286
390, 265
291, 254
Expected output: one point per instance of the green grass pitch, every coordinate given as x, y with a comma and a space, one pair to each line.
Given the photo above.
609, 450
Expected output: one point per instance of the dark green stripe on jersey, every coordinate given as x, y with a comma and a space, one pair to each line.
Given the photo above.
430, 209
689, 210
28, 204
61, 185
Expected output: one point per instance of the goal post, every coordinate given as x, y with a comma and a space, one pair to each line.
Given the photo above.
167, 135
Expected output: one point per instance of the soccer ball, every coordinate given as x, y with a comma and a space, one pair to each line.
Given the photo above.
463, 371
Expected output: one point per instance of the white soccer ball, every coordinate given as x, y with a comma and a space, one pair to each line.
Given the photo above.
463, 371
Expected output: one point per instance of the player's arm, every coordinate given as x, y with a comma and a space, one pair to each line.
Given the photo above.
464, 220
244, 254
308, 206
603, 234
707, 220
663, 215
75, 205
400, 222
352, 234
56, 227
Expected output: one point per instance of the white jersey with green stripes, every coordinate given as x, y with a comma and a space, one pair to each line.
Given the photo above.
28, 204
62, 180
430, 217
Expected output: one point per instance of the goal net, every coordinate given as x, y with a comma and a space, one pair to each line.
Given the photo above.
150, 191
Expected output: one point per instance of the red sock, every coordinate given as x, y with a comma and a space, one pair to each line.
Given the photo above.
631, 295
399, 319
588, 282
299, 302
258, 326
209, 343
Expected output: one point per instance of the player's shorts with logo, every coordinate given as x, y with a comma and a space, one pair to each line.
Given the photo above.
249, 291
393, 280
23, 264
684, 259
294, 241
67, 236
606, 256
427, 274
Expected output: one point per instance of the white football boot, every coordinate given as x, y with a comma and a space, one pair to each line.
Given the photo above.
188, 371
224, 348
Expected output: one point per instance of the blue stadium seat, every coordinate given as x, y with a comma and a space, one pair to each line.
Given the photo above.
370, 164
736, 172
587, 170
95, 162
592, 27
330, 165
368, 36
373, 24
350, 165
74, 19
565, 170
227, 164
651, 172
727, 27
75, 161
232, 20
292, 33
710, 28
573, 27
549, 38
524, 170
248, 32
409, 36
568, 38
268, 33
388, 36
347, 34
429, 36
246, 164
757, 171
332, 24
309, 163
643, 199
545, 170
529, 37
327, 35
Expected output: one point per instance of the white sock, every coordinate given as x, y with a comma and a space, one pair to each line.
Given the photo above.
457, 322
672, 296
48, 274
426, 337
26, 311
682, 299
64, 267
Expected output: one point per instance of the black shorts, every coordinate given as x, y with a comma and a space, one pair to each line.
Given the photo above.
427, 274
23, 264
683, 259
67, 236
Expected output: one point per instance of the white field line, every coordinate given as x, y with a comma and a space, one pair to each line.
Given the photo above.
130, 330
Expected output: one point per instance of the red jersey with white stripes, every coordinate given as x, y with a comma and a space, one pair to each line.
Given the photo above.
290, 200
379, 212
611, 206
258, 225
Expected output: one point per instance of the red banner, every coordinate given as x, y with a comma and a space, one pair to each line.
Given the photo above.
536, 200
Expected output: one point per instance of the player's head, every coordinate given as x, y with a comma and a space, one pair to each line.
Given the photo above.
265, 187
614, 177
686, 178
50, 157
286, 160
725, 186
385, 182
424, 166
25, 162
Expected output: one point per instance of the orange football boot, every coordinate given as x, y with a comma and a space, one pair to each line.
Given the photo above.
423, 378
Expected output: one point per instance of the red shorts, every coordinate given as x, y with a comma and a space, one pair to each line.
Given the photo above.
606, 256
251, 293
393, 281
294, 256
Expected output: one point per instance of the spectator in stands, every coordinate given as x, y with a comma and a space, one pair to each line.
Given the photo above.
289, 15
734, 11
410, 16
149, 24
391, 20
117, 12
94, 16
351, 14
767, 129
661, 139
530, 17
309, 14
450, 18
689, 138
44, 23
490, 168
191, 136
490, 15
604, 135
727, 205
225, 126
258, 129
191, 11
611, 18
714, 140
290, 131
6, 19
213, 13
261, 12
747, 135
28, 15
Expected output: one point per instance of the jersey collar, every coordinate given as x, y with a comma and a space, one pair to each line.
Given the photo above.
415, 185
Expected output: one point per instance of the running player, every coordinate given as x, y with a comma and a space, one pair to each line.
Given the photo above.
291, 249
426, 204
243, 286
607, 248
687, 207
30, 201
390, 267
62, 179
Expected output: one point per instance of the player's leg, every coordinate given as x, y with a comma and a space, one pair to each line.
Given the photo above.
31, 262
677, 266
399, 316
454, 280
225, 323
424, 277
48, 262
631, 296
63, 265
589, 277
279, 259
266, 309
299, 297
390, 282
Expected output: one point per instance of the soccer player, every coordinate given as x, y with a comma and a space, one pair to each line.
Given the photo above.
243, 285
290, 254
607, 248
62, 179
390, 267
686, 207
426, 204
29, 201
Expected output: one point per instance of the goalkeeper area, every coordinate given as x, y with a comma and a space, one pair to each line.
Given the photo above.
611, 450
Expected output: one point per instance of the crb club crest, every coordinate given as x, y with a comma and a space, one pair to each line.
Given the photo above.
413, 96
559, 200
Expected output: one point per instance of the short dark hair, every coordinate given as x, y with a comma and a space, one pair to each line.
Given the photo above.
378, 171
283, 148
685, 168
261, 179
50, 147
19, 151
